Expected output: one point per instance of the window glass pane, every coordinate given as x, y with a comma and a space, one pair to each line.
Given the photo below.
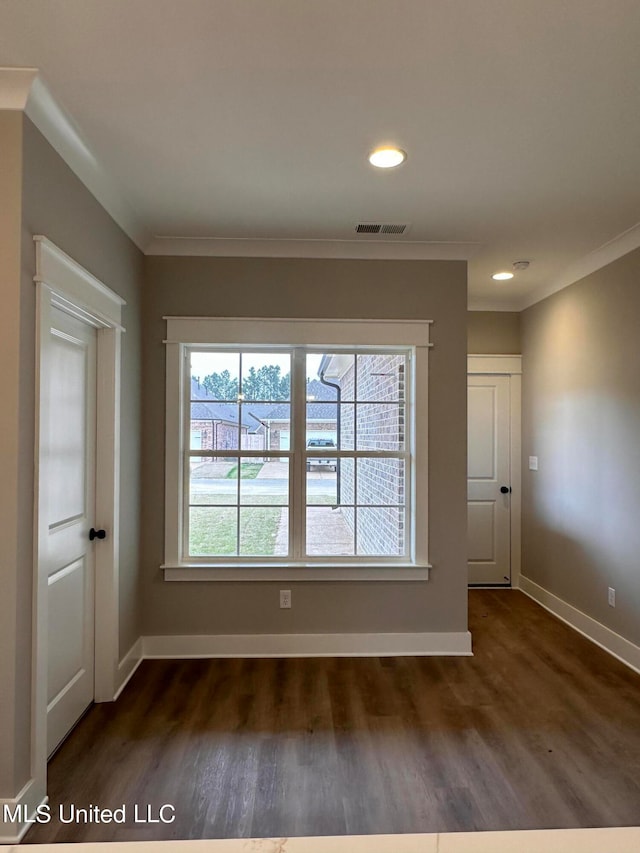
266, 426
266, 376
214, 426
380, 531
241, 401
264, 481
325, 486
214, 375
381, 377
212, 531
264, 531
381, 481
329, 532
329, 425
380, 426
213, 481
338, 372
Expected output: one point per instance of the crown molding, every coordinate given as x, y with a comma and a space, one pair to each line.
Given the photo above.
604, 255
492, 305
342, 249
65, 137
612, 250
22, 89
15, 87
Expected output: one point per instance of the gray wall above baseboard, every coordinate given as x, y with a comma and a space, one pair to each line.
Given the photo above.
315, 288
581, 418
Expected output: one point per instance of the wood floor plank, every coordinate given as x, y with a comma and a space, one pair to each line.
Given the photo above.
539, 729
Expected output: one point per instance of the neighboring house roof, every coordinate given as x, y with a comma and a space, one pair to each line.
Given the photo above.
264, 411
323, 412
225, 412
198, 391
319, 391
253, 414
282, 412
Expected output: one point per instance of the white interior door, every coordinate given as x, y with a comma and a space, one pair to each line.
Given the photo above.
67, 478
488, 480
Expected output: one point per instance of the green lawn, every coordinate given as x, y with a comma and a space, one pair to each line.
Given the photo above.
213, 529
321, 500
248, 471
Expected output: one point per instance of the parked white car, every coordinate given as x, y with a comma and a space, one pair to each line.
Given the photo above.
321, 461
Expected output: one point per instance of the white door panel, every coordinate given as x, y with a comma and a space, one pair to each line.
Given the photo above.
482, 530
482, 402
68, 478
67, 430
489, 510
66, 626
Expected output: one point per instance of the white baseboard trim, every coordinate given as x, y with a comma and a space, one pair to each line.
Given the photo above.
127, 666
307, 645
23, 808
622, 649
289, 646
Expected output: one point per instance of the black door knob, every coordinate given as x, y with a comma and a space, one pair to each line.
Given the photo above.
97, 534
505, 490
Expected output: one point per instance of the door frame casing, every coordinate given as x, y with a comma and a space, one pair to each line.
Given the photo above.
62, 283
511, 366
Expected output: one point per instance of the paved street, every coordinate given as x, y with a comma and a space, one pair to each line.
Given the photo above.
272, 479
258, 486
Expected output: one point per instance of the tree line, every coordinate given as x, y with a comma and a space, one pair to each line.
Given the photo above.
266, 383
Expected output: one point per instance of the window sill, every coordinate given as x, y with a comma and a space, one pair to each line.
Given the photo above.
296, 572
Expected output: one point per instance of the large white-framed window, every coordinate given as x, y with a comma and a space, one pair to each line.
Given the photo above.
296, 449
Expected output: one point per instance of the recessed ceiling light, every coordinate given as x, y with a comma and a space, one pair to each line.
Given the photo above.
502, 276
387, 158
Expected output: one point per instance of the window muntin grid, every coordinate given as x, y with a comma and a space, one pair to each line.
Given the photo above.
293, 539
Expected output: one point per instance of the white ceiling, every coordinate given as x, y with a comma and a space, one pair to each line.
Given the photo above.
253, 118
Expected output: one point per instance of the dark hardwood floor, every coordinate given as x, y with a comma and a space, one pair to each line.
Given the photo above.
539, 729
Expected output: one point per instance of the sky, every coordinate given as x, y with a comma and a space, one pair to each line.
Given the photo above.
205, 363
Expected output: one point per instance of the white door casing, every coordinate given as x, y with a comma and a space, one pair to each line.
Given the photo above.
489, 471
487, 536
67, 468
61, 283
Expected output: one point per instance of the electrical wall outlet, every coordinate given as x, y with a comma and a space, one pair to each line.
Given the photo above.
285, 599
611, 597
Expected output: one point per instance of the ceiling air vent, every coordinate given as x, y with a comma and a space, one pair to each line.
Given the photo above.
379, 228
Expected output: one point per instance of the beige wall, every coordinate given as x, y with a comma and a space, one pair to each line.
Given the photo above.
581, 417
320, 288
15, 624
58, 205
40, 195
493, 333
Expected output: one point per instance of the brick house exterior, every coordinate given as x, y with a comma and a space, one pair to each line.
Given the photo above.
264, 426
380, 396
216, 424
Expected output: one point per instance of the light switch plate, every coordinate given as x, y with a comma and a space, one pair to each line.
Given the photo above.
533, 463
